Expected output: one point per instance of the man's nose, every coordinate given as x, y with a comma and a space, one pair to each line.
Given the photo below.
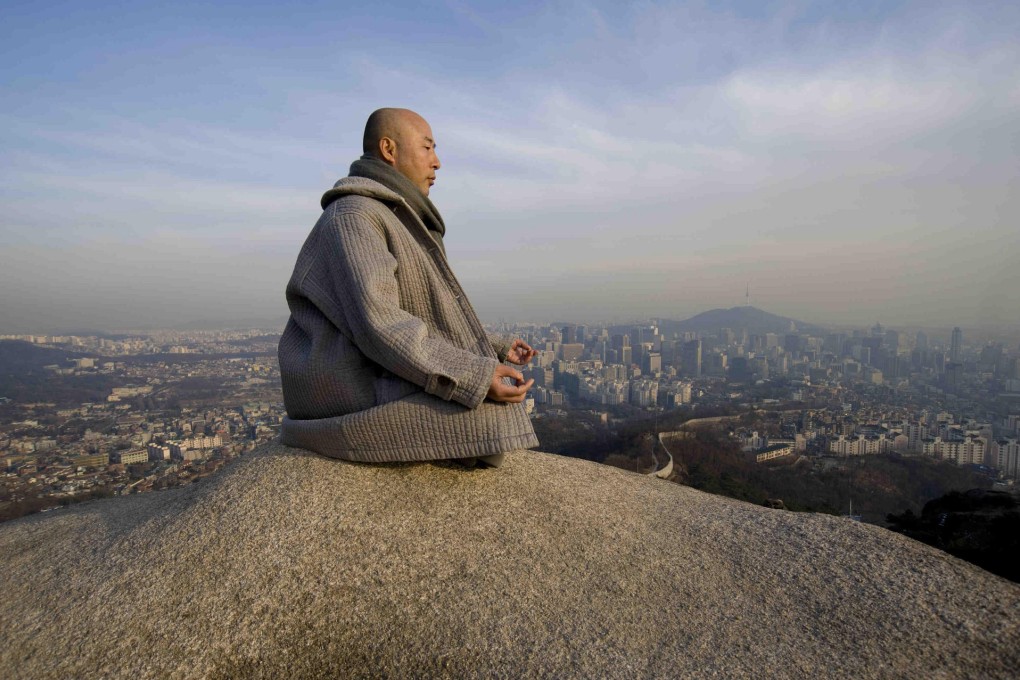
435, 161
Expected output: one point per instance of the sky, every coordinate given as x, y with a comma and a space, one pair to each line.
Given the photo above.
850, 163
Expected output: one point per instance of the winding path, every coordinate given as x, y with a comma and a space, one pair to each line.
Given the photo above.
667, 469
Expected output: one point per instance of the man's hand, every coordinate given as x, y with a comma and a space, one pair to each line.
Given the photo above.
500, 391
520, 352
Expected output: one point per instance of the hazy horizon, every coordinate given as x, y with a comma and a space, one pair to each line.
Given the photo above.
973, 335
853, 163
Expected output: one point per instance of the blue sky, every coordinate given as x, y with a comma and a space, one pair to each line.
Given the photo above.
852, 162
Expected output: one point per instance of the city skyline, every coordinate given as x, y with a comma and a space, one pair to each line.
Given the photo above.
942, 335
852, 164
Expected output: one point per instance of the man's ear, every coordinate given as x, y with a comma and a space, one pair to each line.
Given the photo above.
388, 150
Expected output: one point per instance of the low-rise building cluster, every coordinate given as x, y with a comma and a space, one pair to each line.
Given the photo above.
163, 423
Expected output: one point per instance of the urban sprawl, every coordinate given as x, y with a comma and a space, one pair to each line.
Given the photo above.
180, 405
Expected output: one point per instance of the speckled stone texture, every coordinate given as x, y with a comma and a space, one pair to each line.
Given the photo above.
290, 565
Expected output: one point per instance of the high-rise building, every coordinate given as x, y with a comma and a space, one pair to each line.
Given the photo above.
874, 344
740, 370
834, 344
652, 363
571, 351
569, 333
718, 364
953, 377
793, 343
921, 341
690, 359
621, 344
892, 341
1007, 457
956, 346
668, 350
643, 334
991, 358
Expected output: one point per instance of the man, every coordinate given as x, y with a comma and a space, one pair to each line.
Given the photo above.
383, 358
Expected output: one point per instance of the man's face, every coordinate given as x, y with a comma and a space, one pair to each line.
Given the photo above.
415, 154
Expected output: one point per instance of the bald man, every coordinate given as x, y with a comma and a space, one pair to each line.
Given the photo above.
383, 357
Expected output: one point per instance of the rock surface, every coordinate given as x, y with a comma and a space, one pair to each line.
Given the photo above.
291, 565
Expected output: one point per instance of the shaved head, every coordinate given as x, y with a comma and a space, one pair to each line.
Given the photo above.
388, 122
403, 139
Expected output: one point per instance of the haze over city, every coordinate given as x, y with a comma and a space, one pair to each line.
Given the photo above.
852, 163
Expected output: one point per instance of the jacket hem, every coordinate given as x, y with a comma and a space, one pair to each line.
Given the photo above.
480, 447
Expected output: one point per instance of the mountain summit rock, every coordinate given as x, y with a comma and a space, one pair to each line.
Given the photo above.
291, 565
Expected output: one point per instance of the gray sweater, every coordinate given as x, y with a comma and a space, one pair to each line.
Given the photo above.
383, 358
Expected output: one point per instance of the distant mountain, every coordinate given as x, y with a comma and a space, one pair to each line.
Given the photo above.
752, 319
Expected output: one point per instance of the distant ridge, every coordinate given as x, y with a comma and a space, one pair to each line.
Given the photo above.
18, 357
751, 319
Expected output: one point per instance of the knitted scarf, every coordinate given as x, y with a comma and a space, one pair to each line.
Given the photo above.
389, 177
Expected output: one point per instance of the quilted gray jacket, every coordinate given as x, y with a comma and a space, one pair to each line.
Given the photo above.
383, 358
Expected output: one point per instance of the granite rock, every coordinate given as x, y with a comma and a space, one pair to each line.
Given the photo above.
287, 564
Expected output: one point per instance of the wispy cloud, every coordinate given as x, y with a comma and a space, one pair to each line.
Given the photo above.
664, 146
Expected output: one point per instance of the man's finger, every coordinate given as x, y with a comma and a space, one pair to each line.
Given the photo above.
513, 389
513, 398
508, 372
522, 388
514, 394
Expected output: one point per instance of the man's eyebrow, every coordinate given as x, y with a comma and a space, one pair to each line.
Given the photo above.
431, 141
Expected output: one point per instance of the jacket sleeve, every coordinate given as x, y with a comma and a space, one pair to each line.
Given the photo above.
500, 344
363, 281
